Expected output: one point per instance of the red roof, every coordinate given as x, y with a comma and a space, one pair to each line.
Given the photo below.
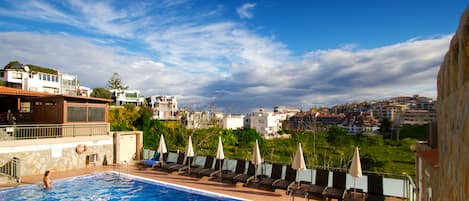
19, 92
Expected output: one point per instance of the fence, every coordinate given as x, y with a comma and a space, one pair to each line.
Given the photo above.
39, 131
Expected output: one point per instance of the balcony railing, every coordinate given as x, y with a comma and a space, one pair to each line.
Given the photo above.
40, 131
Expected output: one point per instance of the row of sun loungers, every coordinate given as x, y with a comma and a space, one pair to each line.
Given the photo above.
318, 189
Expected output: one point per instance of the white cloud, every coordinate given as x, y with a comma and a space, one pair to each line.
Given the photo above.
203, 60
245, 11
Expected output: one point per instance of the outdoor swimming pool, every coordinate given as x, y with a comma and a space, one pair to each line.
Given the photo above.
110, 186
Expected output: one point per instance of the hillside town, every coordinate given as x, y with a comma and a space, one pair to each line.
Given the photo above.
367, 117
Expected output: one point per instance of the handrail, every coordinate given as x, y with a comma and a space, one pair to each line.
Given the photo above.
40, 131
10, 168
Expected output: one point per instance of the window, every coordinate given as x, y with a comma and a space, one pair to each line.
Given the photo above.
25, 107
76, 114
17, 75
95, 114
48, 77
40, 76
2, 74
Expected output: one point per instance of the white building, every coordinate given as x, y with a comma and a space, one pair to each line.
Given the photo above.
268, 124
196, 120
123, 97
233, 122
382, 110
68, 84
164, 107
85, 91
35, 78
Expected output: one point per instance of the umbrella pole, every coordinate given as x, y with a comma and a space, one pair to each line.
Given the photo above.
220, 171
161, 160
255, 173
189, 166
354, 186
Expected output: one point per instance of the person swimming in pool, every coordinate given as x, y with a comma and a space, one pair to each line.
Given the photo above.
46, 179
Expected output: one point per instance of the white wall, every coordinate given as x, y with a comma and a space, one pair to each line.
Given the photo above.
233, 121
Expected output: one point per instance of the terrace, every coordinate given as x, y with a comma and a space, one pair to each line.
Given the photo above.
30, 121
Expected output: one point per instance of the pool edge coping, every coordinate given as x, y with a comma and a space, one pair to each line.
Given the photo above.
179, 186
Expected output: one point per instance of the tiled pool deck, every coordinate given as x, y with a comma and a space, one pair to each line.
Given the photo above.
236, 190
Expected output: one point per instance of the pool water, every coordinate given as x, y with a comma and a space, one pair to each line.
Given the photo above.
110, 186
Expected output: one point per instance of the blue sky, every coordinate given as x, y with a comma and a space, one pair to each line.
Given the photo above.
239, 55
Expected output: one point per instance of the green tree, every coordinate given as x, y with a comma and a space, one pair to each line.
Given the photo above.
385, 125
123, 119
116, 82
101, 93
335, 135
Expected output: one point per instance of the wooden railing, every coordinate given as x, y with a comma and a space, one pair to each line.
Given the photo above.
39, 131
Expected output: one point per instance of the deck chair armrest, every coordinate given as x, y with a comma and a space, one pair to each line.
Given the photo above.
235, 177
250, 179
325, 189
276, 181
183, 168
214, 173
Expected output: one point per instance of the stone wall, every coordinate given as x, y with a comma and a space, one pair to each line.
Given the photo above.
37, 156
453, 118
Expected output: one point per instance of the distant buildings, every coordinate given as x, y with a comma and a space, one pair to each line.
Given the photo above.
164, 107
288, 111
36, 78
360, 122
313, 120
196, 120
268, 124
402, 110
123, 97
415, 117
233, 121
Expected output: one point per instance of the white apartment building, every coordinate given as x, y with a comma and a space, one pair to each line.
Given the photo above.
85, 91
35, 78
124, 96
268, 124
68, 84
233, 121
196, 120
387, 110
164, 107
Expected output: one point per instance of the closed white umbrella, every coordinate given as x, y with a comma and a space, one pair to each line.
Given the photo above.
298, 161
162, 148
256, 158
189, 152
220, 155
355, 167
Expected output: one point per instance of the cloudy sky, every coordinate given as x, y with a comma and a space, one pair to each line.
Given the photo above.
238, 55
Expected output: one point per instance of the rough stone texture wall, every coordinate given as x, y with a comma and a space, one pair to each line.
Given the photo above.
37, 162
453, 118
